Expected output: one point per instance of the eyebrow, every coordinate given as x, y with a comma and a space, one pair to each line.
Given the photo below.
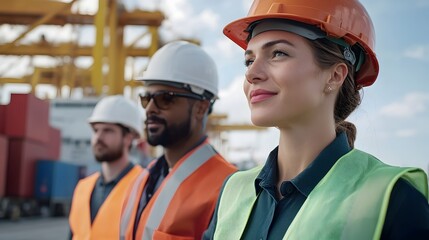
270, 44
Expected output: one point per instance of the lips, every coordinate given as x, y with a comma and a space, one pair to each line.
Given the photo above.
260, 95
153, 123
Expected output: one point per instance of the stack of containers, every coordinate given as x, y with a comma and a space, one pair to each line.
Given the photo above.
3, 151
30, 138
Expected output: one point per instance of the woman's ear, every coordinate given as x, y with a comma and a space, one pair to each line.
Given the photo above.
338, 75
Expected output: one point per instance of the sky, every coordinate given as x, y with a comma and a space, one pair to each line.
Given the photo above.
393, 118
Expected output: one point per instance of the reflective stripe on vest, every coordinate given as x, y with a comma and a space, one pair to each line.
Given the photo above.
191, 164
350, 202
127, 214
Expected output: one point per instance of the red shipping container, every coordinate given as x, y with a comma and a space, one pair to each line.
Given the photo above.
54, 144
23, 154
3, 164
2, 118
27, 117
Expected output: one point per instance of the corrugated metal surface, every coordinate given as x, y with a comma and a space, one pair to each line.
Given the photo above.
3, 164
54, 144
27, 117
2, 118
55, 180
23, 154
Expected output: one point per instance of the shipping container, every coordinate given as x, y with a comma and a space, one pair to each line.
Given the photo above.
55, 180
27, 117
2, 118
3, 164
23, 154
54, 144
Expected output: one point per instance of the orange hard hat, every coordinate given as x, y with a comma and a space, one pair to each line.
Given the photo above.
339, 19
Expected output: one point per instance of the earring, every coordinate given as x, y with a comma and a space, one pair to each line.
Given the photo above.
329, 89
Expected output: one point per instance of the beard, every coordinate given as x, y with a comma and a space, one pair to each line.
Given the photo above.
170, 135
110, 154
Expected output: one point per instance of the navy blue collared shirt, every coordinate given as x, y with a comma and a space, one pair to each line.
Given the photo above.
103, 189
270, 217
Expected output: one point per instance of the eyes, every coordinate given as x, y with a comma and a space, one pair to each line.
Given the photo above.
103, 129
275, 55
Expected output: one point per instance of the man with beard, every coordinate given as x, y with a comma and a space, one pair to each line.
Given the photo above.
176, 196
98, 199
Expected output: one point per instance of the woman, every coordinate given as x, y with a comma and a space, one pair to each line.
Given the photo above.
306, 62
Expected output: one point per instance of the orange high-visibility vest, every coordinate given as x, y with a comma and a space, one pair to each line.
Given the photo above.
184, 203
107, 221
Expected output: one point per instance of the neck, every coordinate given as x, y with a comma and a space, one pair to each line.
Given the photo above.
111, 170
299, 146
174, 153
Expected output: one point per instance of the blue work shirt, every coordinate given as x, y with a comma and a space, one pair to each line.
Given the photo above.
407, 215
102, 190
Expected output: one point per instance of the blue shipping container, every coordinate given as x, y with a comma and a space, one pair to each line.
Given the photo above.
55, 180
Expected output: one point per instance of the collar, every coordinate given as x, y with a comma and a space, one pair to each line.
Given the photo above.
161, 165
100, 180
310, 177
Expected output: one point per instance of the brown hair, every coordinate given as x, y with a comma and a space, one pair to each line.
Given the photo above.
327, 54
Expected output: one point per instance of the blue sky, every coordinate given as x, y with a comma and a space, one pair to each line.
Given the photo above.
393, 119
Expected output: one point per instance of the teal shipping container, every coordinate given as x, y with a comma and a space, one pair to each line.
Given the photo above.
55, 180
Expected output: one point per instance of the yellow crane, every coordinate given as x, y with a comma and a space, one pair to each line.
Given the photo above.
110, 17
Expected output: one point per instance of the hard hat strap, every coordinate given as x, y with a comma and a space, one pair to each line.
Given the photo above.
349, 52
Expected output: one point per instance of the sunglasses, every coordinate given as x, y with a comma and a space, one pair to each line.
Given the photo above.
164, 99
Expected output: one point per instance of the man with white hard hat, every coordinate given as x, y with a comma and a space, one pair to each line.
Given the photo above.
98, 199
176, 196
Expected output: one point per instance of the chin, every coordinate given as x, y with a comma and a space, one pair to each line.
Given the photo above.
261, 121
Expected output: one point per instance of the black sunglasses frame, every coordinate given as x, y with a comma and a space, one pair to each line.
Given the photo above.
163, 94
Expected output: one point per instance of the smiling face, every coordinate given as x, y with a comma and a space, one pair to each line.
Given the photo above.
284, 85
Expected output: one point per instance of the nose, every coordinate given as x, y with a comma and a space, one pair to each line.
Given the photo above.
256, 72
96, 135
151, 107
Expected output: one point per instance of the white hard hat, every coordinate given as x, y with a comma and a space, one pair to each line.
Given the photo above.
183, 64
118, 109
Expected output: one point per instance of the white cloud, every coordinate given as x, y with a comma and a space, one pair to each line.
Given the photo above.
209, 19
224, 48
183, 21
405, 133
85, 6
233, 102
411, 105
417, 52
9, 33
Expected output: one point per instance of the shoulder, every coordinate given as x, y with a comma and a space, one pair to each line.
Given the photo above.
89, 179
407, 214
242, 180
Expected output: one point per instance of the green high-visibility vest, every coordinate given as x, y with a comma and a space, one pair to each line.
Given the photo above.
350, 202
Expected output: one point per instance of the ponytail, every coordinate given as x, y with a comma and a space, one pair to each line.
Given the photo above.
350, 129
327, 54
